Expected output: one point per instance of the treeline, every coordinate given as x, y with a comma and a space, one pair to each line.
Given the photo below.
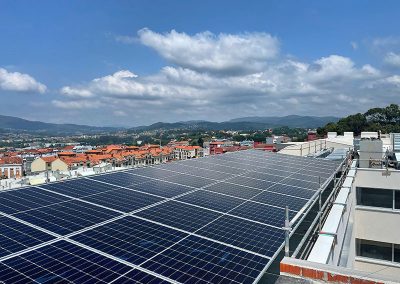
385, 119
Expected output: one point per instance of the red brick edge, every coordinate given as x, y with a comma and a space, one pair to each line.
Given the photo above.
312, 273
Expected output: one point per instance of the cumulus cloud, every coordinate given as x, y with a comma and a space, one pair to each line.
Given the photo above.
19, 82
208, 81
222, 53
392, 59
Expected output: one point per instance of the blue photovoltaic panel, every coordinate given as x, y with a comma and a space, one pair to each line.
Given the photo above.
196, 260
301, 183
162, 188
264, 176
130, 239
123, 199
292, 190
189, 180
61, 262
234, 190
139, 277
244, 234
14, 201
15, 236
67, 217
154, 173
211, 200
280, 200
121, 179
78, 188
262, 213
256, 183
179, 215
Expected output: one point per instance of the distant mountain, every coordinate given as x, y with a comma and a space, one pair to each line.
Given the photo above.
15, 124
290, 120
245, 123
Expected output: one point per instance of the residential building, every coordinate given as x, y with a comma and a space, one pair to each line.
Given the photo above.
48, 164
187, 152
11, 167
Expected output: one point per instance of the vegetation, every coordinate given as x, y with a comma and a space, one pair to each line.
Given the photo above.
385, 119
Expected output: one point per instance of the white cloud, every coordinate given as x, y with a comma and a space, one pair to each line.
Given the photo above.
74, 92
392, 59
210, 82
73, 105
19, 82
223, 53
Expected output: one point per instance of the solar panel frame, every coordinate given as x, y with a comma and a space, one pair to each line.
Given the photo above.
76, 263
131, 239
19, 200
196, 260
16, 236
124, 200
179, 215
67, 217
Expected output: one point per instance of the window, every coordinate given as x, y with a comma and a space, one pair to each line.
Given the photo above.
375, 197
372, 249
396, 253
397, 199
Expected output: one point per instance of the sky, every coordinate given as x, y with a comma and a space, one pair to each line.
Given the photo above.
130, 63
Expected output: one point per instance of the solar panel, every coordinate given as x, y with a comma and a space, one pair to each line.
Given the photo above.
130, 239
162, 188
244, 234
282, 200
67, 217
196, 260
189, 180
211, 220
252, 182
137, 276
121, 179
78, 188
15, 236
211, 200
14, 201
262, 213
179, 215
234, 190
61, 262
124, 200
292, 190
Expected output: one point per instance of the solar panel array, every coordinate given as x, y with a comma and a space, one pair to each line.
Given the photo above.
209, 220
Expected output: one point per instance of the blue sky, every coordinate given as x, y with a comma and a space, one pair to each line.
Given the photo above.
138, 62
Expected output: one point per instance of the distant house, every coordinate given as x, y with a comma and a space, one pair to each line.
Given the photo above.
11, 167
187, 152
48, 164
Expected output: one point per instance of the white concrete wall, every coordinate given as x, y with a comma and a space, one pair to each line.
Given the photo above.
374, 178
377, 268
377, 224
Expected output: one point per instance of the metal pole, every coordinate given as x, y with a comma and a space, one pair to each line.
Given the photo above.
320, 212
287, 231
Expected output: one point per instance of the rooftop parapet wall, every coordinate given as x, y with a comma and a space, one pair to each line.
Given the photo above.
324, 273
